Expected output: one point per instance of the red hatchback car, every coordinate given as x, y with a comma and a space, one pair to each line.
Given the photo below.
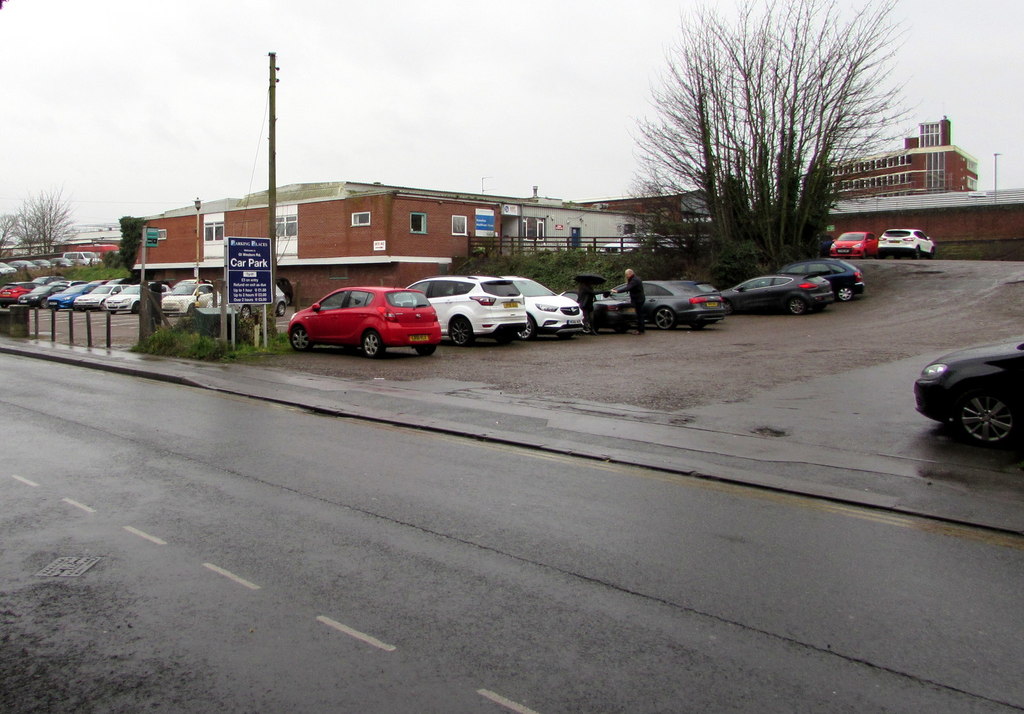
10, 292
371, 318
855, 245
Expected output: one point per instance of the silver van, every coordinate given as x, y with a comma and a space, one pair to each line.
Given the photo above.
82, 258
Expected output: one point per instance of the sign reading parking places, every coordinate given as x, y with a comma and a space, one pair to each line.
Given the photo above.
248, 267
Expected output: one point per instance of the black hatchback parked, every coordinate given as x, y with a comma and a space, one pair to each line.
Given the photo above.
845, 278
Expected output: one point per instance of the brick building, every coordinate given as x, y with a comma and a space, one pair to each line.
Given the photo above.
331, 234
928, 163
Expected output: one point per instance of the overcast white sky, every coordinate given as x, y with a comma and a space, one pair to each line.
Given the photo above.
134, 107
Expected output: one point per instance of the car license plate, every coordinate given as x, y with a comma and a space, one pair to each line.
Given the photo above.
709, 303
573, 323
843, 250
510, 304
418, 338
628, 311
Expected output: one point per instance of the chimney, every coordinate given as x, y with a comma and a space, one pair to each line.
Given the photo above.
535, 191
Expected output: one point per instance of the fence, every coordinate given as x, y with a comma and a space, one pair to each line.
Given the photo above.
511, 245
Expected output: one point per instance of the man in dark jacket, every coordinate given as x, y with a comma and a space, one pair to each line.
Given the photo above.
635, 287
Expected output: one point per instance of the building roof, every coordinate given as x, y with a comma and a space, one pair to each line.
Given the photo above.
953, 199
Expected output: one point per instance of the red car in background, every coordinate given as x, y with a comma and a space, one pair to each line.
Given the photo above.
855, 245
371, 318
10, 292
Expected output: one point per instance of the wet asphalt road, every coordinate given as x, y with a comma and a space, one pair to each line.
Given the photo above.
256, 558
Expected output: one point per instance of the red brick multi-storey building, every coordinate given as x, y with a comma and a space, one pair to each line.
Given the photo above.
928, 163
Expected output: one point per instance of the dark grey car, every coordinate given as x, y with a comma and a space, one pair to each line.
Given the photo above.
794, 294
668, 303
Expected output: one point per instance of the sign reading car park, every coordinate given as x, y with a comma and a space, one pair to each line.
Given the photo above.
249, 274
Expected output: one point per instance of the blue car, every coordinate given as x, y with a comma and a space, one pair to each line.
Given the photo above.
64, 300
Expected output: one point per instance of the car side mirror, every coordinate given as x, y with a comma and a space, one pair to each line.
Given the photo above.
315, 307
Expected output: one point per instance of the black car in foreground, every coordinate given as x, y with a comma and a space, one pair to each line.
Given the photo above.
668, 303
846, 280
978, 391
794, 294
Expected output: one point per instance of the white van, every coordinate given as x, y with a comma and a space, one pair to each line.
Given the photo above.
82, 258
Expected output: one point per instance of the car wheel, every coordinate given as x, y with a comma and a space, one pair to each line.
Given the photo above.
373, 346
279, 310
460, 331
917, 253
844, 293
245, 311
727, 306
530, 331
797, 306
983, 418
930, 255
664, 318
425, 350
299, 339
135, 308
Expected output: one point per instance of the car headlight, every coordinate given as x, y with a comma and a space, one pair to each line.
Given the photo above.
934, 371
546, 308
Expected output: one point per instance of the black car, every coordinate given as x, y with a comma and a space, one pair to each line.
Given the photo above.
845, 278
978, 391
668, 303
794, 294
37, 297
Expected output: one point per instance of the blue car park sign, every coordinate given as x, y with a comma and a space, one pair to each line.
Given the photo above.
249, 271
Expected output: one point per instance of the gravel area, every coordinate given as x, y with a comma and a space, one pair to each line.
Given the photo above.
909, 308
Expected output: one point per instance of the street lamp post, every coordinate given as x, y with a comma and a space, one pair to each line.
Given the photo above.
199, 205
995, 178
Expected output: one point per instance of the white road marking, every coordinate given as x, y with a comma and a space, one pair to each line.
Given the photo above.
507, 703
76, 504
25, 481
356, 633
231, 576
147, 536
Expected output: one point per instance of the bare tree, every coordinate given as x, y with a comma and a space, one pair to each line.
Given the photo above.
756, 113
45, 221
8, 231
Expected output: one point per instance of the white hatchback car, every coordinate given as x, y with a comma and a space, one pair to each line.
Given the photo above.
184, 295
471, 306
546, 312
900, 242
127, 299
95, 298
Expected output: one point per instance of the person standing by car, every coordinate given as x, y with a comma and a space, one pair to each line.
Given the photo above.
635, 287
585, 297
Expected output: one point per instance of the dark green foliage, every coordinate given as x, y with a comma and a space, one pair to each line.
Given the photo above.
131, 239
180, 341
736, 262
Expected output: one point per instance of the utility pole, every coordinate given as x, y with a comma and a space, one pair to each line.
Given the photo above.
272, 191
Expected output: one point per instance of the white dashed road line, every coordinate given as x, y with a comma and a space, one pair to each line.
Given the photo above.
25, 481
76, 504
231, 576
507, 703
147, 536
362, 636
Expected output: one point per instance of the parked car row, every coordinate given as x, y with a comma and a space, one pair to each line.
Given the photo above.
464, 308
896, 242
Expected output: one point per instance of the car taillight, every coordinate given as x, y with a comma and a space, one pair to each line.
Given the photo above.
807, 286
484, 299
857, 274
701, 299
387, 314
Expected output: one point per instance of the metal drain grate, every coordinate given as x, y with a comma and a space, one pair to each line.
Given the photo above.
68, 567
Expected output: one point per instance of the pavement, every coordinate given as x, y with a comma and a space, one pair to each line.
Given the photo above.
966, 493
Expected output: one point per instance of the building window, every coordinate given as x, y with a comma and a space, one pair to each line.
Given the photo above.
935, 171
417, 222
533, 227
361, 219
931, 134
460, 226
287, 226
213, 230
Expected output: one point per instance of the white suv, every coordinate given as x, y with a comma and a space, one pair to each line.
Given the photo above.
546, 312
905, 241
471, 306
